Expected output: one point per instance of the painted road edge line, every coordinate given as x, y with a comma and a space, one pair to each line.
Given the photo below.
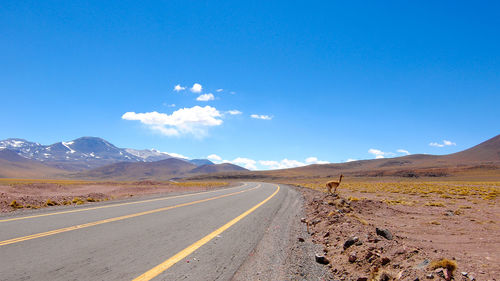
119, 204
80, 226
157, 270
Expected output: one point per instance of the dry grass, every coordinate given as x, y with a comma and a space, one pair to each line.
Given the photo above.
452, 190
207, 184
451, 265
77, 201
434, 204
16, 205
13, 182
51, 203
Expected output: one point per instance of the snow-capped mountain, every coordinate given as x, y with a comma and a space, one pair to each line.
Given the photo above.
83, 153
148, 155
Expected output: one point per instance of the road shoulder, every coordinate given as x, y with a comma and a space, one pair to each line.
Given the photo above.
280, 255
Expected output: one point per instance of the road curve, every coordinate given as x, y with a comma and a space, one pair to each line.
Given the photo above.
201, 236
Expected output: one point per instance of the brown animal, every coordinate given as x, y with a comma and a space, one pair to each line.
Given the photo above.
334, 185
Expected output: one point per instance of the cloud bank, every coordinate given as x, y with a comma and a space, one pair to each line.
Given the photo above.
194, 121
206, 97
443, 144
262, 117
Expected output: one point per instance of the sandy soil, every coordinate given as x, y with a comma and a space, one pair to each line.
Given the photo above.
463, 231
35, 195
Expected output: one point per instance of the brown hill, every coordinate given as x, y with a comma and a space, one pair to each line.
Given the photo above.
159, 170
14, 166
480, 159
217, 168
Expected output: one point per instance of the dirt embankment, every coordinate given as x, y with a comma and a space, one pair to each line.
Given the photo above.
371, 240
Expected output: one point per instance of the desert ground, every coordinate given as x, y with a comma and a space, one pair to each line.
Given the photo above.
22, 194
454, 220
457, 222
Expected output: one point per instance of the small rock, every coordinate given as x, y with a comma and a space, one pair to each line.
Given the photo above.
384, 233
385, 260
352, 257
423, 264
351, 241
385, 277
439, 272
326, 235
429, 276
368, 255
362, 279
464, 273
303, 220
301, 239
449, 213
321, 259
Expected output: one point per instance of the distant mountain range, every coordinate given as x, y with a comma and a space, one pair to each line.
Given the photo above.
85, 153
95, 157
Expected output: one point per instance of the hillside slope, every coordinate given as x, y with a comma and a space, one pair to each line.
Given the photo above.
483, 158
14, 166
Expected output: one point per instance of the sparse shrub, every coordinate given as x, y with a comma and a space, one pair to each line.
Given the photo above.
360, 219
77, 201
51, 203
434, 204
450, 265
353, 198
435, 223
16, 205
90, 199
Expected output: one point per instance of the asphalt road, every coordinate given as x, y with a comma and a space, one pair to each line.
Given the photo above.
203, 236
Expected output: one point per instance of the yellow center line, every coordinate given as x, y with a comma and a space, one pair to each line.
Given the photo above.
117, 205
157, 270
80, 226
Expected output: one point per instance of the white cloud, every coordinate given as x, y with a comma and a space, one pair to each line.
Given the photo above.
219, 90
169, 105
179, 88
314, 160
379, 153
197, 88
263, 117
234, 112
403, 151
177, 155
448, 143
195, 120
351, 160
445, 143
283, 164
214, 157
206, 97
245, 162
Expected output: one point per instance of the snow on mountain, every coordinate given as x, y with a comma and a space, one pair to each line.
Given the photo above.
149, 155
85, 153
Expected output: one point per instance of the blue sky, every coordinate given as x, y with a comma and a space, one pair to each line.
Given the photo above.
338, 80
